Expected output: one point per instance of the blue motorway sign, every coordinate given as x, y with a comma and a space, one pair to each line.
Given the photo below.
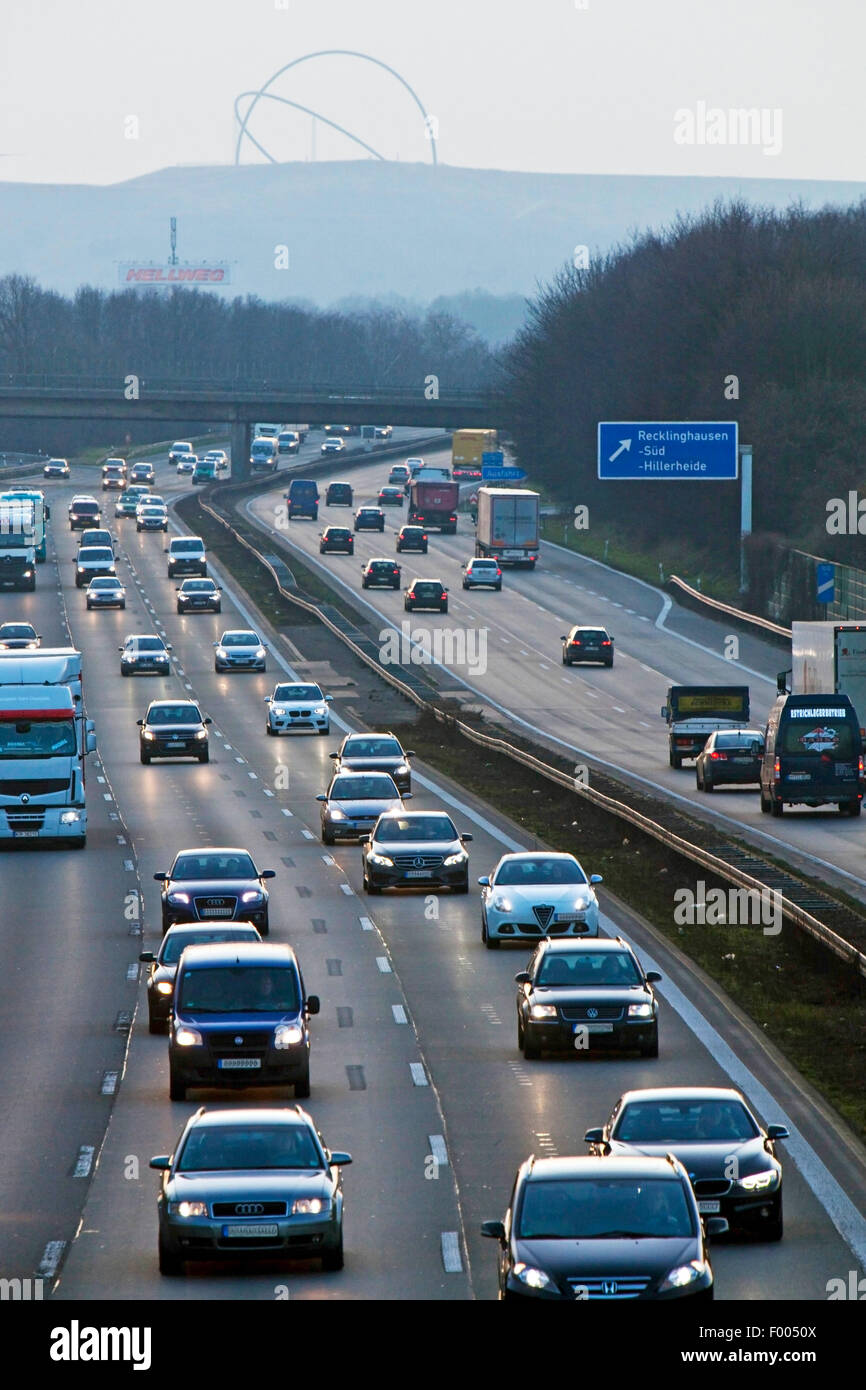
502, 475
492, 458
825, 578
650, 450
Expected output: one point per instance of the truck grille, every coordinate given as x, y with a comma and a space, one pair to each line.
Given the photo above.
14, 786
31, 819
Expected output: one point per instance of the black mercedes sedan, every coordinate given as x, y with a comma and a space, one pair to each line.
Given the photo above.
603, 1229
204, 885
576, 995
416, 849
729, 1155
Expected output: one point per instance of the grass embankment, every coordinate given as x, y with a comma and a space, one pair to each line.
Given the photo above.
805, 1001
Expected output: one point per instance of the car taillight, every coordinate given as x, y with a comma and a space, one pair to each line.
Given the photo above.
411, 593
860, 765
452, 518
715, 757
420, 518
777, 770
606, 642
396, 572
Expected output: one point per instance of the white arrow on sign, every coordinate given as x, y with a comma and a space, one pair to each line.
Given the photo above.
623, 444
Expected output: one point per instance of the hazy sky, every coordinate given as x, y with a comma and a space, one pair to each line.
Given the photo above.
96, 91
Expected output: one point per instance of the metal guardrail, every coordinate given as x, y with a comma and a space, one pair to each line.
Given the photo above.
819, 932
263, 388
727, 610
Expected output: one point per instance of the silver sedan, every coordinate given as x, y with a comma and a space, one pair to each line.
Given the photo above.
354, 802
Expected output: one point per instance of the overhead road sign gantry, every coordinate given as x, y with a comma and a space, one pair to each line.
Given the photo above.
653, 450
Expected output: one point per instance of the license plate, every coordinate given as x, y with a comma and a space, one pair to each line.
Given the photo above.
175, 744
570, 917
239, 1063
594, 1027
709, 1208
216, 912
417, 873
25, 834
799, 777
512, 554
250, 1232
741, 760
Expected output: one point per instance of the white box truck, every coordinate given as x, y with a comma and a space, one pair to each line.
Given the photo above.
507, 525
830, 659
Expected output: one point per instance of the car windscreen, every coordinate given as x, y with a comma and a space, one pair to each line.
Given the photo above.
150, 644
396, 830
223, 1148
187, 547
742, 739
372, 748
44, 738
175, 941
239, 639
373, 788
686, 1121
205, 866
198, 586
599, 1208
235, 989
174, 714
86, 508
106, 582
822, 733
586, 969
298, 692
17, 630
529, 871
93, 554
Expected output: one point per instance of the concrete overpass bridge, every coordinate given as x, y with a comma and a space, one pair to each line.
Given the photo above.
237, 405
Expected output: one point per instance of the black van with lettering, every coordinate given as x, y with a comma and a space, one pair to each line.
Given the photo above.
813, 755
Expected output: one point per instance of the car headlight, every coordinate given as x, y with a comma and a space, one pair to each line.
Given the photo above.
382, 860
188, 1037
640, 1011
503, 904
126, 657
148, 734
164, 987
401, 769
252, 895
336, 814
582, 903
532, 1277
70, 817
176, 898
187, 1209
80, 569
288, 1035
756, 1182
320, 710
310, 1206
260, 652
543, 1011
459, 858
279, 711
682, 1275
201, 733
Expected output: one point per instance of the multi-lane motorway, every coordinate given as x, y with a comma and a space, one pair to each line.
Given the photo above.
415, 1068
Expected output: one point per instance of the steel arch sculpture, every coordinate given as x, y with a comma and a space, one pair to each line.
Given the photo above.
264, 94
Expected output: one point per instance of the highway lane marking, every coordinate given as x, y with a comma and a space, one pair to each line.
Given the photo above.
285, 812
384, 965
106, 796
619, 709
253, 775
438, 1149
849, 1222
109, 1082
399, 1013
644, 724
132, 972
419, 1075
347, 889
237, 759
129, 866
630, 610
519, 1074
101, 779
84, 1161
367, 923
268, 792
308, 834
51, 1258
328, 859
451, 1260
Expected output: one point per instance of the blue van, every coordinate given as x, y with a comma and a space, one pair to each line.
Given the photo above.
813, 754
302, 498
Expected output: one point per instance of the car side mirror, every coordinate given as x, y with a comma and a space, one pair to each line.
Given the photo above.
214, 644
409, 753
207, 721
653, 977
314, 1004
321, 797
716, 1226
485, 881
494, 1229
140, 723
523, 977
147, 957
777, 1132
663, 713
329, 699
594, 1136
268, 873
333, 755
407, 796
467, 839
165, 550
339, 1160
161, 878
169, 647
596, 878
121, 649
162, 1163
90, 742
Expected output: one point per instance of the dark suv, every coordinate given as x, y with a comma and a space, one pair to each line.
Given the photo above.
84, 512
587, 1229
582, 994
164, 962
426, 593
379, 573
173, 729
336, 540
339, 495
587, 644
240, 1017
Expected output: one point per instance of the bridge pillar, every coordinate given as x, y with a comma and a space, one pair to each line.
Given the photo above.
240, 446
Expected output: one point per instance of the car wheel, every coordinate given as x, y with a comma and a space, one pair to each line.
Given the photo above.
155, 1025
564, 659
444, 608
123, 605
497, 587
180, 608
176, 1089
652, 1050
708, 785
372, 888
531, 1051
169, 1263
461, 887
328, 838
219, 608
204, 756
265, 928
332, 1260
765, 803
302, 1086
491, 942
325, 733
775, 1229
268, 730
124, 672
609, 663
676, 761
143, 757
465, 585
698, 783
852, 807
364, 584
776, 807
